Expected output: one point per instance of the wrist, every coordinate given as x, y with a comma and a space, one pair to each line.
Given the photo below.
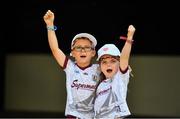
51, 28
50, 24
130, 41
127, 39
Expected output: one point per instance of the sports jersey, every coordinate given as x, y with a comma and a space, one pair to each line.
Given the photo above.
111, 97
80, 86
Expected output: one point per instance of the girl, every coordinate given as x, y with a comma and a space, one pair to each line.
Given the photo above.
111, 93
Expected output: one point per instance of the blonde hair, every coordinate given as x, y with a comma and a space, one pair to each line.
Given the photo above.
130, 70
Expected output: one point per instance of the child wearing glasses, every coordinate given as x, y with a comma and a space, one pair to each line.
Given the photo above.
111, 92
81, 74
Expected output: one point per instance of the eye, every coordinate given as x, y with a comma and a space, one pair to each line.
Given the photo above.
113, 61
87, 48
77, 48
103, 62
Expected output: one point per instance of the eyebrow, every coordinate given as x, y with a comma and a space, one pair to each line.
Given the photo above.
112, 57
85, 38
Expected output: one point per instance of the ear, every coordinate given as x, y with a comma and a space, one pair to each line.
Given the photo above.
93, 53
72, 54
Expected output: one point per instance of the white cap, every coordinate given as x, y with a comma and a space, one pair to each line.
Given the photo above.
108, 49
89, 36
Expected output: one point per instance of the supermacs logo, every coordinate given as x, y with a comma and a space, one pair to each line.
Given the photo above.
77, 85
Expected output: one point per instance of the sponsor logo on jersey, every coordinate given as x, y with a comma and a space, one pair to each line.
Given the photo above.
104, 91
95, 78
77, 85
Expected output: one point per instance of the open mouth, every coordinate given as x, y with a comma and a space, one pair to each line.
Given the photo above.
83, 56
109, 70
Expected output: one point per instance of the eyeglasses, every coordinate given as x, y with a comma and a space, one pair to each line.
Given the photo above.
79, 48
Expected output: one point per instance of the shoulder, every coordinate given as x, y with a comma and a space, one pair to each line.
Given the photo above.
96, 68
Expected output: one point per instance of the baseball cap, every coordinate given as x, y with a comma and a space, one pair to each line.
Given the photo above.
108, 49
87, 35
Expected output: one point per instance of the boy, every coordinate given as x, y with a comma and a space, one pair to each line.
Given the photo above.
81, 75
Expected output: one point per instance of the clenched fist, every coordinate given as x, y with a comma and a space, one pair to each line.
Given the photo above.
131, 30
49, 18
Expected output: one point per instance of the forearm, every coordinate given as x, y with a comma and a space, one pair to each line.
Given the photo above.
56, 51
125, 54
52, 39
126, 51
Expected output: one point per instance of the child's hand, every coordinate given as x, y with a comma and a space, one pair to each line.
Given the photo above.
49, 18
131, 31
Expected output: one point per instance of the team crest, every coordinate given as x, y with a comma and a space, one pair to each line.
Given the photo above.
95, 78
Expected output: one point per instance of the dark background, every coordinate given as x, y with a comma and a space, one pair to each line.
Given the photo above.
156, 23
24, 31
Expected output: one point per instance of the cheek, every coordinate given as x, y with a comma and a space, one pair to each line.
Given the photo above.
74, 54
93, 53
103, 68
116, 68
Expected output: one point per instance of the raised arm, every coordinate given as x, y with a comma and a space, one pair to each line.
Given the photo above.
52, 39
125, 53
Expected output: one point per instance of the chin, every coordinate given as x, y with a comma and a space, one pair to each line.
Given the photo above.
108, 76
84, 61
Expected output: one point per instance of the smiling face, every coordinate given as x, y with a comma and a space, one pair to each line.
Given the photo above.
109, 65
83, 52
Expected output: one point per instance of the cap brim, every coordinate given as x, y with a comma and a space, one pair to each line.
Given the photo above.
89, 36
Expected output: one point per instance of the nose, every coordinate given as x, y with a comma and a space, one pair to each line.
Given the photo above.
83, 50
108, 64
